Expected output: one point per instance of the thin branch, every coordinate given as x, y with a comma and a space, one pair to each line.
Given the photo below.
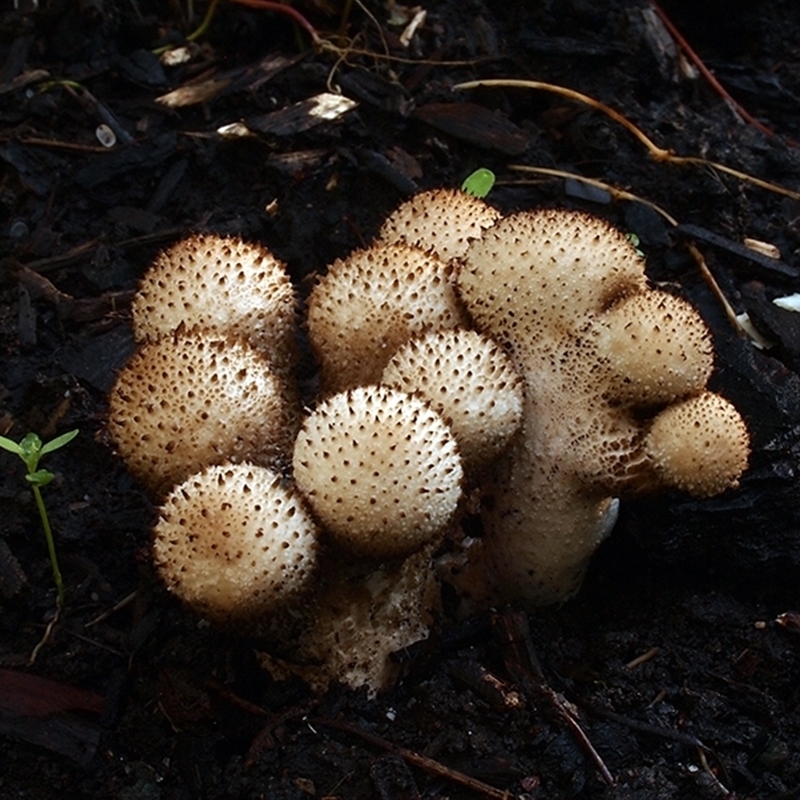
657, 153
419, 760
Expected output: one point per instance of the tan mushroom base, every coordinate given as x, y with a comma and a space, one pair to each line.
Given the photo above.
358, 621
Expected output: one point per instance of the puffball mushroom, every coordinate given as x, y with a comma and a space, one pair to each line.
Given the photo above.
442, 221
567, 295
184, 402
699, 445
234, 543
222, 285
468, 379
371, 303
656, 347
380, 470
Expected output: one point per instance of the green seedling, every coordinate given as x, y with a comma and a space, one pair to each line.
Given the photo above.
31, 449
635, 241
479, 183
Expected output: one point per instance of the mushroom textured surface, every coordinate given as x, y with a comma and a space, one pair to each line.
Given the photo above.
371, 303
441, 221
233, 543
222, 285
600, 354
468, 379
699, 445
184, 402
359, 618
381, 471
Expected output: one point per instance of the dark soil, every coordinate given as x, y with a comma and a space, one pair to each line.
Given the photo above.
680, 654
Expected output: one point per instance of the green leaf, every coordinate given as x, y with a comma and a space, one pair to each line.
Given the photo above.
480, 183
12, 447
31, 445
40, 478
58, 442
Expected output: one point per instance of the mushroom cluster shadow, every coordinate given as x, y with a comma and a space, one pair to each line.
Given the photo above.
518, 366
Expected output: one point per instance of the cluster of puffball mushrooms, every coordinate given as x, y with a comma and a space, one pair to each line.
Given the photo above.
519, 366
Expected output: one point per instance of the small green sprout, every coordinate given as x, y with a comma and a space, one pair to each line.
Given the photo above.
480, 183
635, 241
30, 449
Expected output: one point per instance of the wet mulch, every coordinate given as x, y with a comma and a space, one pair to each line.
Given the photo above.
676, 671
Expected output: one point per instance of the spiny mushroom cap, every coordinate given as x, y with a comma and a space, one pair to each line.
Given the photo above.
369, 304
656, 348
234, 542
468, 379
543, 272
223, 285
380, 469
442, 221
700, 445
182, 403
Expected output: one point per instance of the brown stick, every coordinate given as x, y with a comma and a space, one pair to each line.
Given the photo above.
523, 665
709, 75
418, 760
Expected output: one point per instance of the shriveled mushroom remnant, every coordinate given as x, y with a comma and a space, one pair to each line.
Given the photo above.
222, 285
234, 543
358, 616
371, 303
442, 221
184, 402
600, 355
468, 379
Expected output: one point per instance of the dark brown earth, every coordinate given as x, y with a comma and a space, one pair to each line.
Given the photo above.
681, 654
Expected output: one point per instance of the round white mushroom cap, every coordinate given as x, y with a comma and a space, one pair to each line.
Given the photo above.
222, 285
541, 273
380, 469
700, 445
233, 542
442, 221
182, 403
656, 348
371, 303
468, 379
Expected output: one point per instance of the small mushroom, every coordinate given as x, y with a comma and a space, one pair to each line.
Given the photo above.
184, 402
656, 347
371, 303
222, 285
235, 544
441, 221
468, 379
380, 470
700, 445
